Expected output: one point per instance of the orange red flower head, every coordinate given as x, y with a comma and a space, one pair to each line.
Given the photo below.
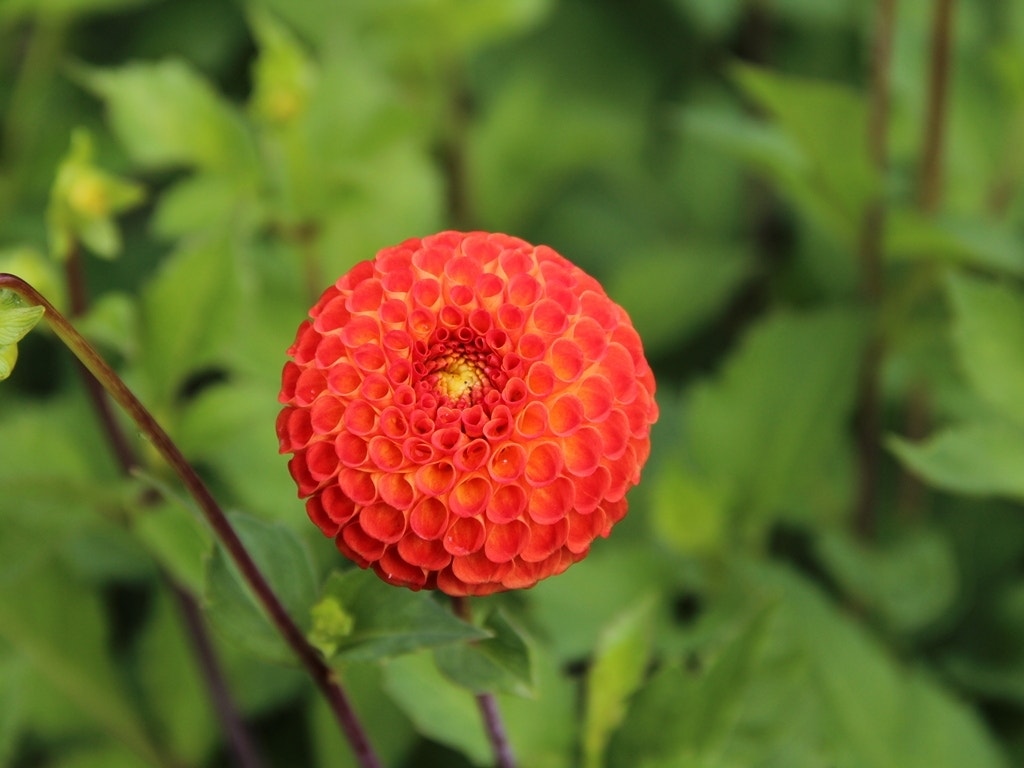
466, 413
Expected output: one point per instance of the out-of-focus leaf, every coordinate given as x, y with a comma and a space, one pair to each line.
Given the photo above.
174, 690
827, 121
195, 204
669, 292
771, 428
989, 337
166, 115
177, 539
910, 236
112, 322
188, 314
910, 583
38, 617
103, 757
390, 732
440, 709
499, 663
714, 16
620, 572
543, 727
365, 618
62, 9
286, 565
12, 679
686, 514
620, 659
685, 714
981, 458
35, 269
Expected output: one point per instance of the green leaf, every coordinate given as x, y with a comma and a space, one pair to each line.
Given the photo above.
827, 121
989, 336
440, 710
771, 428
12, 679
389, 730
844, 700
687, 514
16, 319
911, 236
38, 617
102, 757
670, 291
174, 536
362, 617
286, 565
197, 203
499, 663
910, 582
620, 660
167, 115
175, 693
693, 710
188, 315
60, 10
543, 727
982, 458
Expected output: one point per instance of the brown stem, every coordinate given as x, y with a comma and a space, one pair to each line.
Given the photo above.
453, 155
870, 247
322, 674
493, 723
930, 183
241, 745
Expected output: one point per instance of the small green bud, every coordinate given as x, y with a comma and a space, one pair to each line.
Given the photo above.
331, 623
84, 200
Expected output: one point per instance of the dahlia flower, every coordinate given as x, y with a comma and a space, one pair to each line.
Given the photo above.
466, 413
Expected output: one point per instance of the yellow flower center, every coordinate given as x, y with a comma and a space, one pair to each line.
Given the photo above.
458, 379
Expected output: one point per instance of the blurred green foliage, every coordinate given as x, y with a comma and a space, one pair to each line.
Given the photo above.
710, 162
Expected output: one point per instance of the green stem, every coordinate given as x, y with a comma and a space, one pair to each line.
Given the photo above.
322, 674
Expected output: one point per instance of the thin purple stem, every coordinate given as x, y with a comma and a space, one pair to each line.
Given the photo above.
242, 747
488, 705
930, 189
323, 676
869, 421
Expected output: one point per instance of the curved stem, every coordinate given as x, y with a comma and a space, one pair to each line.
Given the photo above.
322, 674
493, 723
238, 737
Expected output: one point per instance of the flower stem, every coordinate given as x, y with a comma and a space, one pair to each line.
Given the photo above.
322, 674
930, 183
870, 249
493, 723
239, 739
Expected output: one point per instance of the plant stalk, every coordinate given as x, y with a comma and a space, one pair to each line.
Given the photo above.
239, 739
323, 676
870, 247
488, 705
